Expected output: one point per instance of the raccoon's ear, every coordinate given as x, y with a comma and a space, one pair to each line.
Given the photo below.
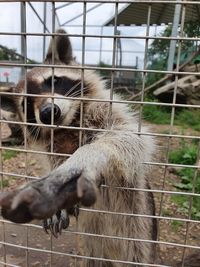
7, 101
62, 48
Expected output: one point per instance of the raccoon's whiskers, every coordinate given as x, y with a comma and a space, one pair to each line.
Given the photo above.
72, 88
34, 137
85, 89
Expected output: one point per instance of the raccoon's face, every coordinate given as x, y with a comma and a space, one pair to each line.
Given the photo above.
49, 101
50, 90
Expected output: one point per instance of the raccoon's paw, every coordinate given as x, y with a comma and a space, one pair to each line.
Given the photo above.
44, 197
56, 223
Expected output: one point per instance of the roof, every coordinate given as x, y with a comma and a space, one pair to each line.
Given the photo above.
161, 13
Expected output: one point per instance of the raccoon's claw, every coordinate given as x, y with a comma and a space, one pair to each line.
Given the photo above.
74, 211
56, 223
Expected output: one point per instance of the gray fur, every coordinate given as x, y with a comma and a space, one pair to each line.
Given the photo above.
113, 158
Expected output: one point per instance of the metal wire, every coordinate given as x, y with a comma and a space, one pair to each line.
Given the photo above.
97, 68
162, 192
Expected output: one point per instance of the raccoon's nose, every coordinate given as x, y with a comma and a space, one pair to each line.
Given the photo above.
45, 113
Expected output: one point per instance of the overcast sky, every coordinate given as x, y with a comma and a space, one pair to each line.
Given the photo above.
10, 22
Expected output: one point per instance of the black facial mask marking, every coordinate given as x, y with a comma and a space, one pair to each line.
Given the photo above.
30, 110
30, 115
63, 86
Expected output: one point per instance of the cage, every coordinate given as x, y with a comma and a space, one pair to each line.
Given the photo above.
145, 51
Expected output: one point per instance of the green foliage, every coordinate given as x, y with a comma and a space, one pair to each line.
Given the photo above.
189, 179
191, 29
7, 181
4, 183
156, 114
7, 54
12, 55
186, 155
156, 64
157, 56
184, 205
187, 175
175, 225
188, 118
166, 212
161, 115
104, 73
8, 154
159, 49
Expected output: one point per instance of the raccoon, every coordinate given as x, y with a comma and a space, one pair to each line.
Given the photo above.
102, 166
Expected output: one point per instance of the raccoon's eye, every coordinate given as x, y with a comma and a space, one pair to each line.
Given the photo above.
28, 103
56, 81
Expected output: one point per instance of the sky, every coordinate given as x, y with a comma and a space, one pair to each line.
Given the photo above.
10, 22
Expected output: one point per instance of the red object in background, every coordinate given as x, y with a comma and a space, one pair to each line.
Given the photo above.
6, 74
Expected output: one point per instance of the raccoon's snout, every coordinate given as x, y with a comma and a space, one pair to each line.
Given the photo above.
45, 113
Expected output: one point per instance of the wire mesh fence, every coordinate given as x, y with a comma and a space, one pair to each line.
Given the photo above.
147, 52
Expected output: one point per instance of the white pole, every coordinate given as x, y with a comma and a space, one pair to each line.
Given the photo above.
172, 48
23, 38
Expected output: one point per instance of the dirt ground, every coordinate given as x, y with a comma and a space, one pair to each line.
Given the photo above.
172, 231
34, 237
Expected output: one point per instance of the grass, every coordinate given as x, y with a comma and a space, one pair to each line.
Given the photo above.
189, 118
162, 115
186, 155
166, 212
189, 179
184, 205
175, 225
156, 114
8, 154
4, 183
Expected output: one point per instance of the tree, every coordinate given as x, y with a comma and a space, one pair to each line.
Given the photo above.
12, 55
8, 54
159, 49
